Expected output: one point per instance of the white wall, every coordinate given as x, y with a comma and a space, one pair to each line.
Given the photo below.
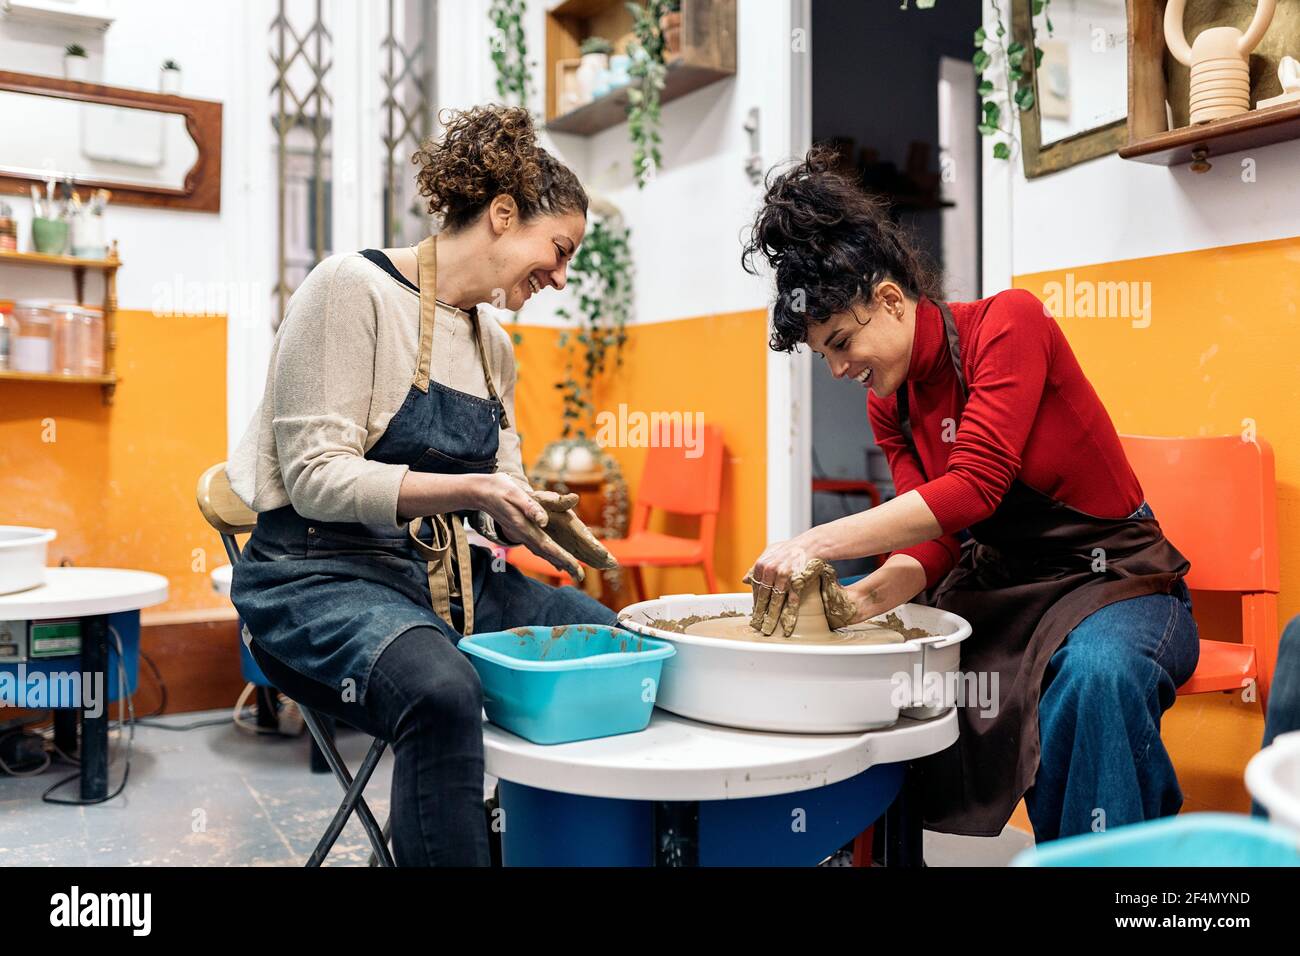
1111, 209
686, 226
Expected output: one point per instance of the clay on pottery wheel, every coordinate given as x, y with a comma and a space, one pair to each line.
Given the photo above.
816, 621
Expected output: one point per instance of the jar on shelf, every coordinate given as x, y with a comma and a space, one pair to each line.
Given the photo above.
32, 349
7, 335
92, 337
68, 335
8, 228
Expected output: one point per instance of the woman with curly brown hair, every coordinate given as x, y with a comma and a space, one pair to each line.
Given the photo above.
387, 420
1015, 509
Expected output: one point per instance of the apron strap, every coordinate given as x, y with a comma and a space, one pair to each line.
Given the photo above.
954, 353
426, 258
447, 533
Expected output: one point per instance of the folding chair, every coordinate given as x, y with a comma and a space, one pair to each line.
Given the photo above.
223, 510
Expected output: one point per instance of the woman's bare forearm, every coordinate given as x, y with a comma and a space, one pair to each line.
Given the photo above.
422, 493
901, 523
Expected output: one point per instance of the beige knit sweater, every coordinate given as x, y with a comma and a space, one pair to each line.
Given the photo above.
341, 365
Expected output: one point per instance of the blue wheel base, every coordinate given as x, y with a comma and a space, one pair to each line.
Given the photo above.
546, 828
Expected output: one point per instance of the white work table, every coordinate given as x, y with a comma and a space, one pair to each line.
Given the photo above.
679, 759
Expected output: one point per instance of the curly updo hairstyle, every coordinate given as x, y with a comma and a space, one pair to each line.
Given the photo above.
829, 244
488, 151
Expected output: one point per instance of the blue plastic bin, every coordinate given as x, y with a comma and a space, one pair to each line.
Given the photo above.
1193, 839
554, 685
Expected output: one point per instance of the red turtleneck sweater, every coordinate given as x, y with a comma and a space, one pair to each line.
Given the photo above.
1031, 415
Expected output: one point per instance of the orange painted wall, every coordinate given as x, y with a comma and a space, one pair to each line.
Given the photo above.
714, 364
117, 482
1221, 347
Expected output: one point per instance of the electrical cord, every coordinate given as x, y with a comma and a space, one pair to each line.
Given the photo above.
22, 732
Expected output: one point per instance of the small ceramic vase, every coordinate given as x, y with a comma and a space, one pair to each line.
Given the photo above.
1219, 59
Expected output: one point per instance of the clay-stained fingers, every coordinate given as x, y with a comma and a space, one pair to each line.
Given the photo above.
568, 530
762, 597
838, 603
545, 547
555, 502
775, 607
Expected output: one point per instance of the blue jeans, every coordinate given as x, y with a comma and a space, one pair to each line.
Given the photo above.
1284, 696
1103, 764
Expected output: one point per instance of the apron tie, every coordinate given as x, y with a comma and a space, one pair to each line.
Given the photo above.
444, 582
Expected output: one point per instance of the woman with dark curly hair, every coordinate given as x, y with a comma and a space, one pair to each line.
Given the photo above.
1015, 509
387, 420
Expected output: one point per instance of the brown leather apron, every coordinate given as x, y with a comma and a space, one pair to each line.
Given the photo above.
1032, 571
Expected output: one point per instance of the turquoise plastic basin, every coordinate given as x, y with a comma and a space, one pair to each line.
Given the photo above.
1192, 839
554, 685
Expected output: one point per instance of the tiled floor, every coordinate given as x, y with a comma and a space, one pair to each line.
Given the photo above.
218, 796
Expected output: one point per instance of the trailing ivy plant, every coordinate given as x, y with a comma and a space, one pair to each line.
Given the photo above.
601, 277
993, 55
510, 50
648, 72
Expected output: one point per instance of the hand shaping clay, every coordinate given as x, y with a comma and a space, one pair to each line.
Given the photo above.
823, 607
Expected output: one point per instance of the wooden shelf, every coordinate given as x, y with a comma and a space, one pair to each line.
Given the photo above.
708, 54
53, 377
610, 110
42, 259
1158, 85
1251, 130
109, 266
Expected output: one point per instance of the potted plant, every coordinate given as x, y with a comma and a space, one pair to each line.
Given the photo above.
74, 62
670, 25
595, 53
169, 78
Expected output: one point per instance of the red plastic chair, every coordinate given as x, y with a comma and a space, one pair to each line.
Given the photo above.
1216, 500
679, 485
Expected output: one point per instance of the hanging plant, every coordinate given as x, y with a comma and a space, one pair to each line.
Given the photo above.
994, 57
510, 50
648, 72
601, 277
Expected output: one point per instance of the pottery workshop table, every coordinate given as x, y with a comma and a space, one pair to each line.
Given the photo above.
89, 595
684, 793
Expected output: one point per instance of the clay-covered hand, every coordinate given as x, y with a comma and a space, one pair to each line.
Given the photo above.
567, 530
779, 606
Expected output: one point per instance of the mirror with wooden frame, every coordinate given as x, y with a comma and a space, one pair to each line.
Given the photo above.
149, 149
1080, 104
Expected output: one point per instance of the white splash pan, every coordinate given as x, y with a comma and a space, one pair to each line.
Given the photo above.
801, 688
22, 557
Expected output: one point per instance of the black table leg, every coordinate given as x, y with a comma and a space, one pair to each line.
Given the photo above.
677, 833
94, 727
904, 832
65, 730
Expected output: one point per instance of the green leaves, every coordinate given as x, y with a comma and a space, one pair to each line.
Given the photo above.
509, 50
601, 278
1017, 94
649, 74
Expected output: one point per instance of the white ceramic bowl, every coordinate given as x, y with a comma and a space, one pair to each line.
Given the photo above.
1273, 778
801, 688
22, 557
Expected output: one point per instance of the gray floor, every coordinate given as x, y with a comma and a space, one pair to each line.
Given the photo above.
219, 796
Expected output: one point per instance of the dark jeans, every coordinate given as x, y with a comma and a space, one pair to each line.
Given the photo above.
424, 698
1102, 762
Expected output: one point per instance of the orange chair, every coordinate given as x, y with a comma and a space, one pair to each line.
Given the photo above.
1216, 500
678, 485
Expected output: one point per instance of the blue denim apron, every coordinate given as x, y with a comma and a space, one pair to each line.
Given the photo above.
327, 598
